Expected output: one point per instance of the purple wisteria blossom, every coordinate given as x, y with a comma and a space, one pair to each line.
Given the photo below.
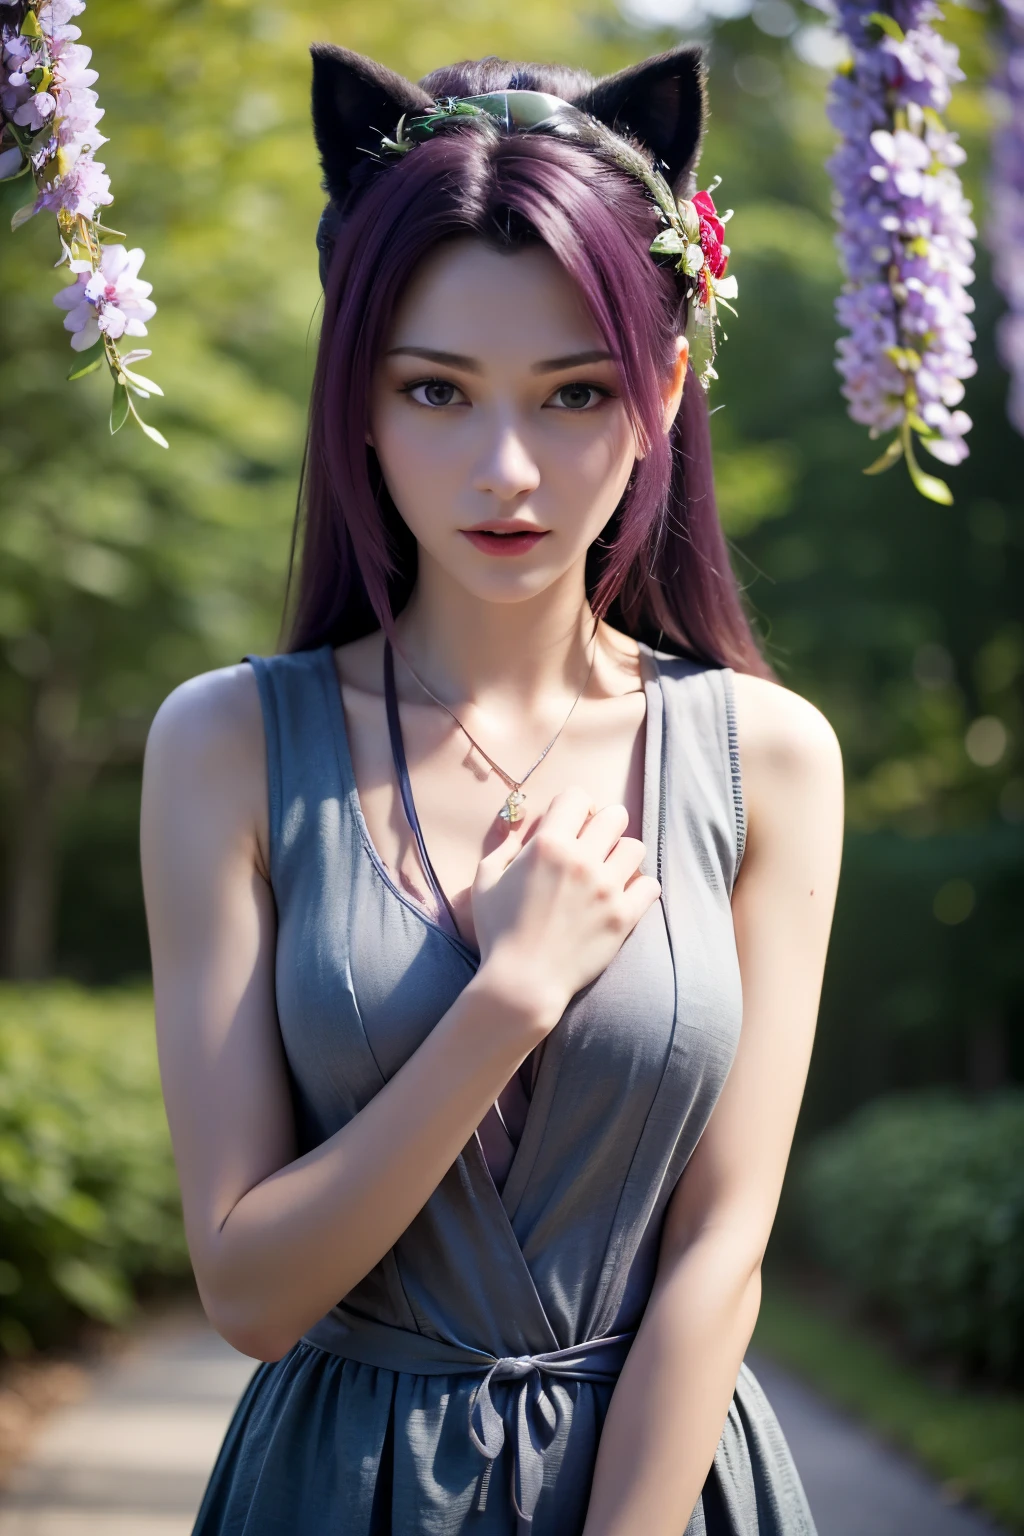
48, 132
905, 235
1004, 231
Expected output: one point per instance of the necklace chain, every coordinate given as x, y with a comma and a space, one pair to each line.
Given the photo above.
512, 809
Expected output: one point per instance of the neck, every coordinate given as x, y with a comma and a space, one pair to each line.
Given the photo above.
470, 650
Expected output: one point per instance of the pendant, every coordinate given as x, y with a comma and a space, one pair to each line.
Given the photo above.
512, 810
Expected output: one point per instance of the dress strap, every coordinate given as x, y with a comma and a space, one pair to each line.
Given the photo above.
402, 774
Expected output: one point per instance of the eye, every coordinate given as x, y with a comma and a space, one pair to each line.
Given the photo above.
579, 396
432, 392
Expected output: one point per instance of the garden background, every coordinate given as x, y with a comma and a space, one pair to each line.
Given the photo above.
124, 569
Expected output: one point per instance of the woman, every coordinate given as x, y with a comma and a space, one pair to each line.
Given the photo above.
449, 923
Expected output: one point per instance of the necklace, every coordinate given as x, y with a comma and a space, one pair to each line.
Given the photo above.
512, 809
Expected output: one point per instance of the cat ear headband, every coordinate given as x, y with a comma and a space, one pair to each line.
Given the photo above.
661, 104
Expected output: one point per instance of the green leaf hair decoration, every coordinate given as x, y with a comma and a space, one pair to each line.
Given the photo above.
694, 231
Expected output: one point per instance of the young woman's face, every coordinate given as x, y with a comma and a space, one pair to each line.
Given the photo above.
497, 419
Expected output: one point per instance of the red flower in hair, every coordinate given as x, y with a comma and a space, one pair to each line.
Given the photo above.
712, 234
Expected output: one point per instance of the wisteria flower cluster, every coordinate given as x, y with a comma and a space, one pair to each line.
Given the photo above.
49, 134
905, 236
1005, 227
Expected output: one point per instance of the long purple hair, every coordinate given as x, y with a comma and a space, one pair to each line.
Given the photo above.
660, 569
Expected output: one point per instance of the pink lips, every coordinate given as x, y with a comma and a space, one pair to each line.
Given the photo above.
503, 539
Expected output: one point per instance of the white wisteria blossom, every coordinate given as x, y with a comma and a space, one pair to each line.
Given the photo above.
49, 134
108, 301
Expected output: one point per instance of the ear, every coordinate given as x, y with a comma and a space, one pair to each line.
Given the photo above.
672, 388
672, 393
355, 100
662, 102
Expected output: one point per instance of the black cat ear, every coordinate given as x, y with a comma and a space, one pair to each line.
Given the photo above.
355, 101
662, 102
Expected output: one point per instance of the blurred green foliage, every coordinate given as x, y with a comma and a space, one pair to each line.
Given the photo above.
124, 570
917, 1205
926, 968
969, 1438
88, 1197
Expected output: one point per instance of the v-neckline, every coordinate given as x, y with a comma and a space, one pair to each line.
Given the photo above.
652, 824
652, 816
343, 748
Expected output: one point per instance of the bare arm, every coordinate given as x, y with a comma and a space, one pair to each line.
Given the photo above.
670, 1403
277, 1239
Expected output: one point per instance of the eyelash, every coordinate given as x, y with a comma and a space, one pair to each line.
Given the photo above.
599, 389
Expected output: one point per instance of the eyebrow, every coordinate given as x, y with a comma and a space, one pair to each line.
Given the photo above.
470, 364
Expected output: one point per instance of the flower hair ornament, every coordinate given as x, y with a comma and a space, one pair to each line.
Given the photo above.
647, 120
49, 136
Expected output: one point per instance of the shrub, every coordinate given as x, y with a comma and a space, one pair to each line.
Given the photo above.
917, 1205
88, 1195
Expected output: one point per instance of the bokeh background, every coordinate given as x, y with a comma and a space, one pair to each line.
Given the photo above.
897, 1271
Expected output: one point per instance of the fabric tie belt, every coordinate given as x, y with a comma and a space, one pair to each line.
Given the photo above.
356, 1338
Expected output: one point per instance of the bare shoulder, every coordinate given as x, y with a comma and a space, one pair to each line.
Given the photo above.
790, 768
206, 753
791, 772
214, 715
782, 735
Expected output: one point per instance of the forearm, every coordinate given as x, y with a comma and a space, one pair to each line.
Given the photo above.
298, 1241
671, 1401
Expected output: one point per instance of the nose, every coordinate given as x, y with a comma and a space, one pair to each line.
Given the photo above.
506, 468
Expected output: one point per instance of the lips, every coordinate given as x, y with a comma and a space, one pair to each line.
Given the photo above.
504, 539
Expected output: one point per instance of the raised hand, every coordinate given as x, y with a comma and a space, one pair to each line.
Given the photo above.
550, 913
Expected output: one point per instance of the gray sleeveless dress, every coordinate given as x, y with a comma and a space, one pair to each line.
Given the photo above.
461, 1386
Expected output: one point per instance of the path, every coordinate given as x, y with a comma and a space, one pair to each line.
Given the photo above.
132, 1458
856, 1485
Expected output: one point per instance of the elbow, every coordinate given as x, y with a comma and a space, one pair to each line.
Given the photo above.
258, 1338
247, 1328
258, 1344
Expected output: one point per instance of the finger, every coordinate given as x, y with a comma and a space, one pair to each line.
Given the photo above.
604, 829
639, 896
567, 813
494, 864
625, 859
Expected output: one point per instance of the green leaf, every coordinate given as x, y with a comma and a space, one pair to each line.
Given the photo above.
119, 408
927, 485
891, 456
30, 26
88, 361
151, 432
23, 215
669, 242
888, 24
141, 382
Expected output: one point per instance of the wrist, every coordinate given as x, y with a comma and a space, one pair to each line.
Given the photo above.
516, 997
